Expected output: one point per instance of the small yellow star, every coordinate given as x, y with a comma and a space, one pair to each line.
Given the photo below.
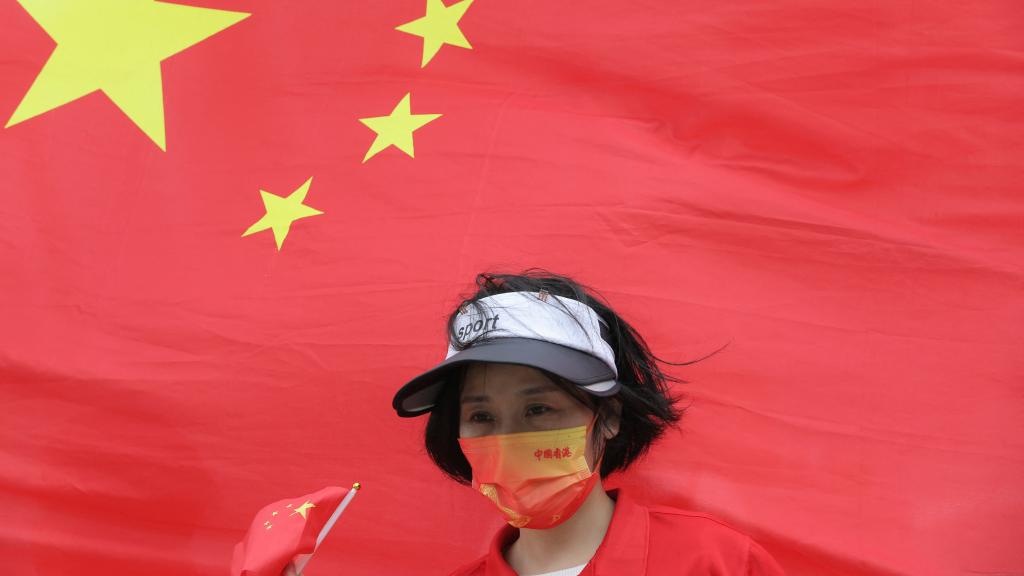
274, 513
116, 47
396, 129
303, 509
281, 212
439, 27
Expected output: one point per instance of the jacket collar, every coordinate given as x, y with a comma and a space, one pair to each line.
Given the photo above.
623, 550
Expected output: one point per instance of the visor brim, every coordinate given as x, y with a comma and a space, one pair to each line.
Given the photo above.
419, 395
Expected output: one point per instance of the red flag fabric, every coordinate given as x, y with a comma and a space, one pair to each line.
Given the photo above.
232, 228
284, 530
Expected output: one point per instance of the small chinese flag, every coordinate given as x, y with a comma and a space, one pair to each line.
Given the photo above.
284, 535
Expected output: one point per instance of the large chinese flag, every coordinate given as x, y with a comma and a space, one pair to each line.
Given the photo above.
230, 229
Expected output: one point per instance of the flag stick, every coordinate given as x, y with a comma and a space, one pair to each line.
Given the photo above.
327, 527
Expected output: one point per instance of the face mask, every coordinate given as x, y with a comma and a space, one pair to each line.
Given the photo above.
536, 479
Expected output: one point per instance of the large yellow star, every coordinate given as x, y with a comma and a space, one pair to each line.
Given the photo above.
396, 129
439, 27
115, 46
281, 212
303, 509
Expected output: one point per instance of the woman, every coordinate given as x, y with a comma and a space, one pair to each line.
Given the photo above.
544, 391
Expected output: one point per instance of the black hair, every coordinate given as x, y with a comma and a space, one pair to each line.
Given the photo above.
647, 405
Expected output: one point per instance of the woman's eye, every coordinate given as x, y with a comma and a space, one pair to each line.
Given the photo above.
480, 417
537, 410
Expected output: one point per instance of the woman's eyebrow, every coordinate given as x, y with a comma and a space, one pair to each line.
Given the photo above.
534, 391
543, 389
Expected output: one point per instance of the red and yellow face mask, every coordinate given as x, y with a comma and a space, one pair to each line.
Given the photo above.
536, 479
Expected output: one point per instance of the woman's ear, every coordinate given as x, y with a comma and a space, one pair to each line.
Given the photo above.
612, 418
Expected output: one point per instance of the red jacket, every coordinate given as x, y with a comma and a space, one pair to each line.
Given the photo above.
653, 541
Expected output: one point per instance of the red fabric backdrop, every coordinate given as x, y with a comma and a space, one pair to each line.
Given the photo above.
832, 187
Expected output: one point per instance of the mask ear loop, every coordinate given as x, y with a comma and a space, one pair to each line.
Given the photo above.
604, 445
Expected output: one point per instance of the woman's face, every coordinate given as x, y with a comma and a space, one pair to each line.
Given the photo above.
509, 398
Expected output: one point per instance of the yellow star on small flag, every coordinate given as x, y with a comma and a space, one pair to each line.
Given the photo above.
303, 509
281, 212
439, 27
396, 129
115, 46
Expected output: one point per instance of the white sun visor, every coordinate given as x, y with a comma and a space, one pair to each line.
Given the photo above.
553, 333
